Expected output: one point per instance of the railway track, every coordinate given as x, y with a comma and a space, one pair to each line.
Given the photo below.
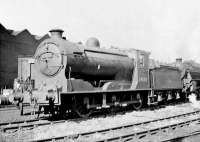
33, 123
183, 137
147, 134
130, 132
18, 125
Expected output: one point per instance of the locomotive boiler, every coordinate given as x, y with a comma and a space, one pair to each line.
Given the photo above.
68, 77
90, 63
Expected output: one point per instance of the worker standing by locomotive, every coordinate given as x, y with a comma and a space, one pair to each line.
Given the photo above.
187, 83
18, 94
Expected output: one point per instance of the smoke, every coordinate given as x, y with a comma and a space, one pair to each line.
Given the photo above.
193, 100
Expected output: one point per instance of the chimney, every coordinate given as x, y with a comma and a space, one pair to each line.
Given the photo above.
56, 33
178, 62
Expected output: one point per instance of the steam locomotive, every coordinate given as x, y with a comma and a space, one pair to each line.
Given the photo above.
78, 78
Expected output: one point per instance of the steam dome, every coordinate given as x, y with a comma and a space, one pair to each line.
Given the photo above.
93, 42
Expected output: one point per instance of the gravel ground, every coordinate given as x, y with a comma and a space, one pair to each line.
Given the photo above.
70, 127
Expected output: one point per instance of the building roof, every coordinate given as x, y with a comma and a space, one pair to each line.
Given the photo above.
17, 33
14, 33
2, 28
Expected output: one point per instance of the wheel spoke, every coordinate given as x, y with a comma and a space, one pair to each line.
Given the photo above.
81, 109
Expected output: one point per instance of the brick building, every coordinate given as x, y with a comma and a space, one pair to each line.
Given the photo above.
12, 45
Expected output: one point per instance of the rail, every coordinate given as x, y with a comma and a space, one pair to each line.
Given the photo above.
126, 135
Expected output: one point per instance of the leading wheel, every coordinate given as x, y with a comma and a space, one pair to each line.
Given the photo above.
138, 101
80, 107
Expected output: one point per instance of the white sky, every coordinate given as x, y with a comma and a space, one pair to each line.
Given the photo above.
167, 28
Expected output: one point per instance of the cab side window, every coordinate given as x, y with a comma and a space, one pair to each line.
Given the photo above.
141, 60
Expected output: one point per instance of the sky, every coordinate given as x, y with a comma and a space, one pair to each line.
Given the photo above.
169, 29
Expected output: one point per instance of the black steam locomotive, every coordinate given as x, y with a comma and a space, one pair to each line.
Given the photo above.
83, 78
